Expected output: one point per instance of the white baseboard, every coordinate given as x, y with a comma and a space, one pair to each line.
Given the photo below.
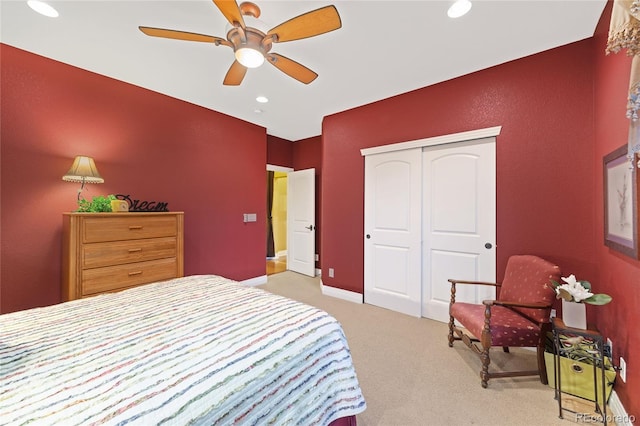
252, 282
339, 293
618, 414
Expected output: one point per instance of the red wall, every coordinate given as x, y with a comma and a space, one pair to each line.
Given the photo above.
619, 274
279, 152
545, 156
207, 164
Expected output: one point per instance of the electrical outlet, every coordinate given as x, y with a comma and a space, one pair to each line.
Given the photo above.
623, 370
553, 313
608, 349
317, 257
330, 272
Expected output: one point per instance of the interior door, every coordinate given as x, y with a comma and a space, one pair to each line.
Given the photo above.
301, 221
459, 228
392, 200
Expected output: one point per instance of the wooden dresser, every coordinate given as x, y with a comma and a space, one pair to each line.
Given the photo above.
106, 252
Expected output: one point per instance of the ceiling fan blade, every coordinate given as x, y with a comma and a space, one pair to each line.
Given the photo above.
235, 75
292, 68
231, 11
310, 24
182, 35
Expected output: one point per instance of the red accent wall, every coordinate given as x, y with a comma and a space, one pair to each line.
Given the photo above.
619, 275
148, 145
545, 156
279, 152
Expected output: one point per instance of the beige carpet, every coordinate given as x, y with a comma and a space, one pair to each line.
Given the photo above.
409, 375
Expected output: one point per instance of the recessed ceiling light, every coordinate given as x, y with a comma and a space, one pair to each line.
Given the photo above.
262, 99
258, 111
459, 8
43, 8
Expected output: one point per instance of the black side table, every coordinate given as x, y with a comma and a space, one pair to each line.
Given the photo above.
594, 343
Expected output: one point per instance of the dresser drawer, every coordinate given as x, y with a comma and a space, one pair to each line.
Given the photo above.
129, 227
120, 252
114, 278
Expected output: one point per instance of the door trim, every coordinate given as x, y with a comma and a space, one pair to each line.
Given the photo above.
436, 140
274, 168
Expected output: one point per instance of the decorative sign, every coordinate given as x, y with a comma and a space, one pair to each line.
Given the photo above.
144, 206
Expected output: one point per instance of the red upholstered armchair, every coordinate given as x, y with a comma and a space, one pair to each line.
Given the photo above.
519, 318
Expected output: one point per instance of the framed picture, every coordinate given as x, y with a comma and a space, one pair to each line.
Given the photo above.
621, 203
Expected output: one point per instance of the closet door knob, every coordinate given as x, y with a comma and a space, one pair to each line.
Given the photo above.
488, 245
368, 236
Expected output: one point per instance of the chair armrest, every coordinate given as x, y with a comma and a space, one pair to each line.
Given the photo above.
452, 281
516, 304
489, 303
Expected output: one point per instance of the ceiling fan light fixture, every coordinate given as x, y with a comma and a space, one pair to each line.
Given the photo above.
249, 57
459, 8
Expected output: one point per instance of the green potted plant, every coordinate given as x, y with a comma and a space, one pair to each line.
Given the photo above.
98, 204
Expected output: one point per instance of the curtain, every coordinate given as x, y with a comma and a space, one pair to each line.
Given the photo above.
271, 250
624, 28
624, 33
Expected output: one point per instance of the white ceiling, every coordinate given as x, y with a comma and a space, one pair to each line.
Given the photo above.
384, 48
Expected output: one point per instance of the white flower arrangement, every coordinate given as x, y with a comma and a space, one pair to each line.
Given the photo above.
578, 291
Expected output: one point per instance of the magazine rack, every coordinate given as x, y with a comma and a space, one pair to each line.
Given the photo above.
567, 344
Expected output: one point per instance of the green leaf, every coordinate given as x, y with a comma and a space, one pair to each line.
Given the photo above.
564, 294
585, 284
97, 204
599, 299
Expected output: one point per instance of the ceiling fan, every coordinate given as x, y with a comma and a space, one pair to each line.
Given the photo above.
252, 45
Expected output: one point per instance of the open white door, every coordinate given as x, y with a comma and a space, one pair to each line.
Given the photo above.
301, 221
459, 229
392, 204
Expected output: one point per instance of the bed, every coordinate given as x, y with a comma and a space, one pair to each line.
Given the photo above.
195, 350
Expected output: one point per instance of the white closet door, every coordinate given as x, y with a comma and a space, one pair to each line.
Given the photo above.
393, 231
459, 228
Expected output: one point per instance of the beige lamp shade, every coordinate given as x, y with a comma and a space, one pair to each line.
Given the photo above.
83, 170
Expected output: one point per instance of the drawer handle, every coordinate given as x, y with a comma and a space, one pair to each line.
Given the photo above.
134, 227
134, 250
135, 273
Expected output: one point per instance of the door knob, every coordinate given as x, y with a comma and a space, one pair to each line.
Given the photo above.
368, 236
310, 227
488, 245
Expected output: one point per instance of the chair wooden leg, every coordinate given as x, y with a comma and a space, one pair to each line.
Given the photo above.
542, 369
505, 349
451, 325
451, 319
486, 360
